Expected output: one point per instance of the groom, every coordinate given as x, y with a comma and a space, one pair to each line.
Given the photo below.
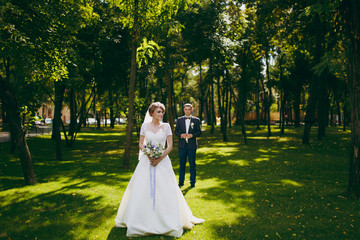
187, 129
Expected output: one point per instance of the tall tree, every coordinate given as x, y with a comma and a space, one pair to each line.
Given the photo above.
30, 58
140, 15
134, 43
351, 22
9, 100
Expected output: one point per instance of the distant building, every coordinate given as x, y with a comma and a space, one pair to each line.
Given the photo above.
47, 111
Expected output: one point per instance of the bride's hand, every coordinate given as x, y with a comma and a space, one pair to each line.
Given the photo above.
152, 160
155, 162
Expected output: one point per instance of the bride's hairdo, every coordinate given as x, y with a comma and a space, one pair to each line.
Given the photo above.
155, 105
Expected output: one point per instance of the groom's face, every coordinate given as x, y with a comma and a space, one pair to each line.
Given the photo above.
187, 110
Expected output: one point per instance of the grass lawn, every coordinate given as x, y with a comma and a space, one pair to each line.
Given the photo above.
272, 188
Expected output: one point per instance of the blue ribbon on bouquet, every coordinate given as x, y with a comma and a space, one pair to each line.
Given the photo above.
153, 184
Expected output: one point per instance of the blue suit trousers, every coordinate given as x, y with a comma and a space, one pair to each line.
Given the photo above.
184, 154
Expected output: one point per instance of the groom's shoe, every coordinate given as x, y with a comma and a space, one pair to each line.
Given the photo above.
192, 185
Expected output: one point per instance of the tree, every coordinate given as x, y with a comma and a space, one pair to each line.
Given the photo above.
139, 15
202, 28
21, 47
351, 22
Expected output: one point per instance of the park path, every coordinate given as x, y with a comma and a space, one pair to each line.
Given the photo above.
5, 136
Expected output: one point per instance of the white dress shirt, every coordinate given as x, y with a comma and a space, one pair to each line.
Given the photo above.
187, 125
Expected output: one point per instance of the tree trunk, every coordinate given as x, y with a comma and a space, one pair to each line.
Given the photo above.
243, 90
226, 98
310, 111
221, 110
201, 89
283, 97
323, 108
82, 116
97, 118
82, 113
332, 120
134, 43
12, 145
257, 104
211, 99
296, 107
317, 83
243, 129
229, 109
352, 16
169, 93
346, 117
175, 113
338, 112
105, 115
242, 110
213, 114
208, 107
73, 118
282, 113
17, 133
56, 134
111, 104
269, 101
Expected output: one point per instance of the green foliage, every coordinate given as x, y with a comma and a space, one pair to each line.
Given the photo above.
146, 50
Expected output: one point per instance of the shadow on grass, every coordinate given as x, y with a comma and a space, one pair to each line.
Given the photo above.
186, 190
52, 215
95, 157
279, 189
119, 233
273, 188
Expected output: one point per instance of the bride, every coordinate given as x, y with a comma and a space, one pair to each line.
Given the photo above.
153, 203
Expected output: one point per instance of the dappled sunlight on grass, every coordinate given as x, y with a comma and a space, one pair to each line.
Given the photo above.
272, 188
223, 151
239, 162
264, 150
262, 159
115, 152
263, 138
292, 183
284, 139
222, 144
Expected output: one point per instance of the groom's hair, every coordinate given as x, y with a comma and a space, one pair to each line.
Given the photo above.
154, 106
188, 105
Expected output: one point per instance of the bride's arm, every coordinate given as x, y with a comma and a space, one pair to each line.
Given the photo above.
141, 142
142, 136
168, 150
141, 146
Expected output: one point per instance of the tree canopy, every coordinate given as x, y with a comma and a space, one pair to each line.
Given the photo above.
240, 62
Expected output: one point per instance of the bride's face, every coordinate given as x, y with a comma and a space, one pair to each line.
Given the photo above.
158, 114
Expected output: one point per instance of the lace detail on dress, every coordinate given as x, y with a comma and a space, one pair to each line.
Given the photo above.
163, 127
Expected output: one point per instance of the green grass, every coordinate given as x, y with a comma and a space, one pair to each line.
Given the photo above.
272, 188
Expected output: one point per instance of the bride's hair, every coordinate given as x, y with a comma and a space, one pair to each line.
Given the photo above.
154, 106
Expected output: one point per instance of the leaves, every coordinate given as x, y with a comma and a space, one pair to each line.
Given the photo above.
146, 50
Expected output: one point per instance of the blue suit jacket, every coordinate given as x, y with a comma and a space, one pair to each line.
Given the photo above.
194, 129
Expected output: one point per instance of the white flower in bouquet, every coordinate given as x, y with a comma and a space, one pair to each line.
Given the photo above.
153, 150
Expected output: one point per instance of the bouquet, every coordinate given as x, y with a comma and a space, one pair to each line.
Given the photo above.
152, 150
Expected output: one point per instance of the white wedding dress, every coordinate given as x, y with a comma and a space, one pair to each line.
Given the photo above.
153, 203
